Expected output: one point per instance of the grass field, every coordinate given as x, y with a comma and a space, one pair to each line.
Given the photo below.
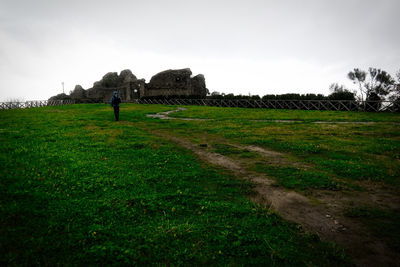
78, 188
348, 151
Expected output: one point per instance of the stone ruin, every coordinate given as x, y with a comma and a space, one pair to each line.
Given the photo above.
166, 84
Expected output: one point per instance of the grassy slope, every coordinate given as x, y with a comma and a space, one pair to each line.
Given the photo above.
79, 188
340, 154
284, 114
345, 151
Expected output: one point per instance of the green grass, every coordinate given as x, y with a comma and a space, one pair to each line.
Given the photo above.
384, 224
350, 152
79, 189
284, 114
299, 179
229, 150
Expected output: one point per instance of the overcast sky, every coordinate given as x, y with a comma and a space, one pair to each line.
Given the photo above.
247, 46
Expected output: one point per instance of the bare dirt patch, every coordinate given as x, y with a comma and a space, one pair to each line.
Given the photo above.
164, 116
273, 157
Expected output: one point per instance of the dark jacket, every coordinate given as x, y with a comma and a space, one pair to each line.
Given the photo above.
115, 100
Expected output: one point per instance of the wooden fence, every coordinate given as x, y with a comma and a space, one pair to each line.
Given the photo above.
34, 104
342, 105
339, 105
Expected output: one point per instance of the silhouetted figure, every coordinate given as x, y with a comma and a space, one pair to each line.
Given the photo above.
115, 100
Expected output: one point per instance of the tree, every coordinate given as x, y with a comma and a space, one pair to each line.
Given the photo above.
358, 76
374, 84
380, 83
216, 95
336, 88
340, 92
15, 100
395, 92
396, 87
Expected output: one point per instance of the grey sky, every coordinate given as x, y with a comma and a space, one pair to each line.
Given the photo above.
240, 46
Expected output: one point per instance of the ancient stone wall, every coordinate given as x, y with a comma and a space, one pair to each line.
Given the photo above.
169, 83
176, 83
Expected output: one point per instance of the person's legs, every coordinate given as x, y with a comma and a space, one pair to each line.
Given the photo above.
116, 113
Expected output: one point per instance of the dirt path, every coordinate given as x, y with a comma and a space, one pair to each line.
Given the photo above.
164, 116
321, 214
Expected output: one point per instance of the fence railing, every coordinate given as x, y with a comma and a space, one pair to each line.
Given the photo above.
34, 104
342, 105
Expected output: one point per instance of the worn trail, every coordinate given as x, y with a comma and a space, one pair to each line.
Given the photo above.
165, 116
322, 214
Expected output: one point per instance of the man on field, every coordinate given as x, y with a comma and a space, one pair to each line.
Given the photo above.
115, 101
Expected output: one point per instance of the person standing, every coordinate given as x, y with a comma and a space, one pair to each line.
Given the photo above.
115, 101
